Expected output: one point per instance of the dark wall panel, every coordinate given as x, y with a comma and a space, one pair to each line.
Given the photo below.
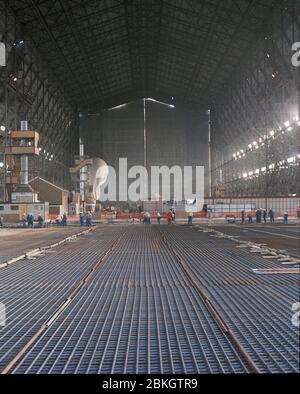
175, 136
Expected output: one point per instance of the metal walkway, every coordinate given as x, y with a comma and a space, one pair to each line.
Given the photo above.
136, 307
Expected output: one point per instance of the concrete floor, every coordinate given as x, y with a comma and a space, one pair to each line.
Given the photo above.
276, 236
14, 242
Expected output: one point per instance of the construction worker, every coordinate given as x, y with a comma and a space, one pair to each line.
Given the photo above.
81, 219
265, 215
271, 216
170, 216
250, 217
243, 216
173, 215
30, 220
64, 220
89, 219
285, 218
158, 216
190, 218
24, 220
258, 216
145, 218
40, 220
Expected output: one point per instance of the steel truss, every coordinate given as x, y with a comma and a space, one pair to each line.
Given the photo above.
262, 95
230, 56
30, 90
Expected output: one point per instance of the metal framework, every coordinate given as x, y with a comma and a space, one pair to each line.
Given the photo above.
29, 90
232, 57
256, 122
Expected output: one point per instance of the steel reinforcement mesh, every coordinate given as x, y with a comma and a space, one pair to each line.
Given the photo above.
139, 314
139, 311
31, 290
257, 308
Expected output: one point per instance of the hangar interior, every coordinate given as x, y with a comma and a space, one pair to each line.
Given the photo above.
209, 83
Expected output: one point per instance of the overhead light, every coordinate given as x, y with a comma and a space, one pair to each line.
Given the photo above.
234, 155
117, 106
2, 128
272, 132
263, 169
160, 102
52, 156
254, 143
289, 128
242, 150
250, 173
249, 146
271, 166
245, 175
273, 75
44, 151
287, 123
257, 171
18, 42
40, 149
291, 159
1, 164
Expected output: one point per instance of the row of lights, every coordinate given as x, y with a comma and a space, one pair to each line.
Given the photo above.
255, 145
48, 156
281, 165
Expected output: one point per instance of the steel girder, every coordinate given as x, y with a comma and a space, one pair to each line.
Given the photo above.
105, 51
262, 96
37, 96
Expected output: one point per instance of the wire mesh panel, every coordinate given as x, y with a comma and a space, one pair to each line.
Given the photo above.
33, 289
257, 308
139, 314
